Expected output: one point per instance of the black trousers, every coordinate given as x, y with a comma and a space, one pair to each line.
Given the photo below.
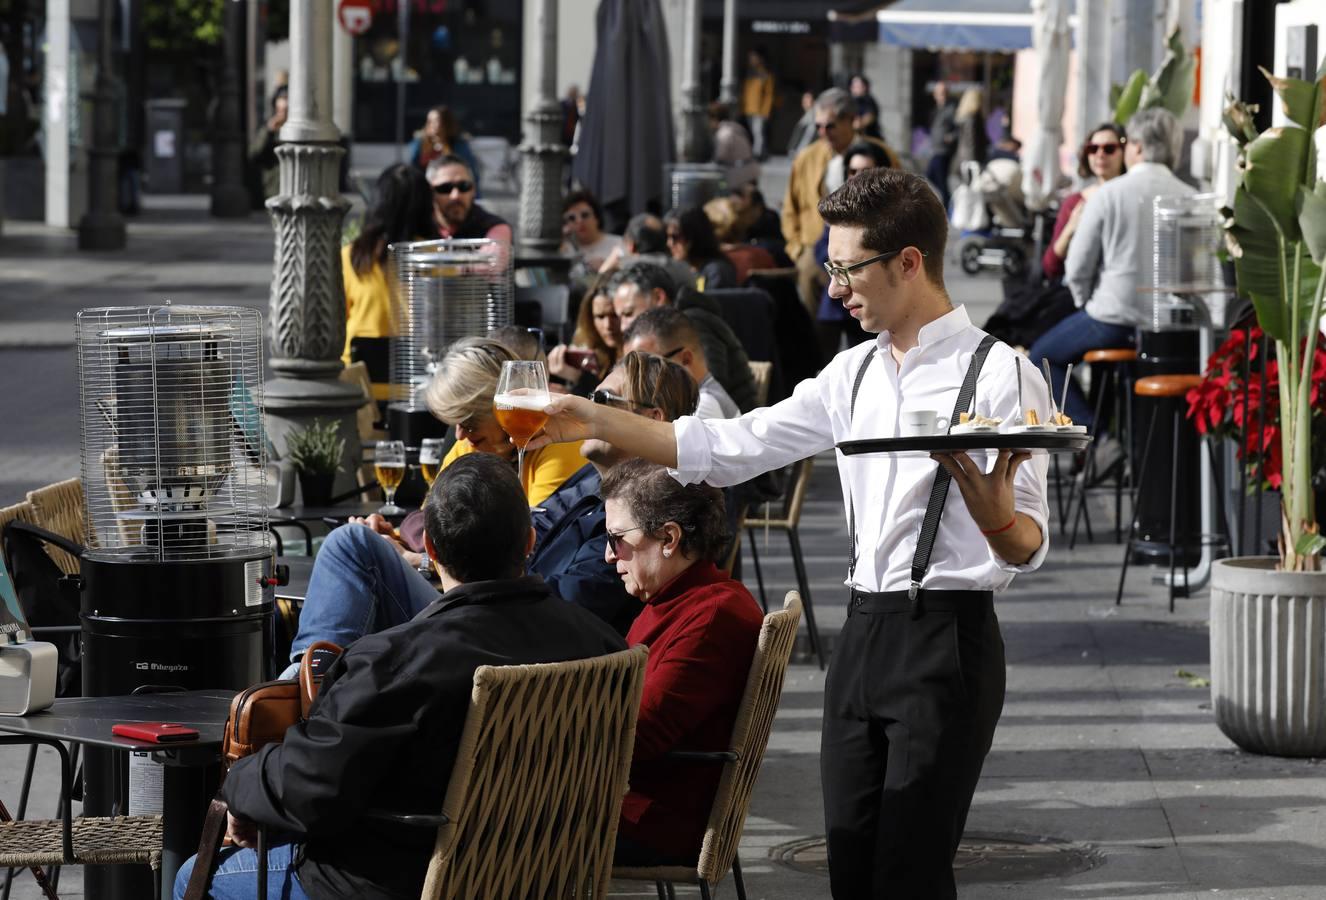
910, 709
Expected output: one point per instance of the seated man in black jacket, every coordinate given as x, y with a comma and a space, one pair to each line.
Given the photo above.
365, 580
384, 730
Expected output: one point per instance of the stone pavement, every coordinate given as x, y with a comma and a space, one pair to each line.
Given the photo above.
1106, 766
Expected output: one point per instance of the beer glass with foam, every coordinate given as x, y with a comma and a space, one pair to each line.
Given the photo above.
522, 395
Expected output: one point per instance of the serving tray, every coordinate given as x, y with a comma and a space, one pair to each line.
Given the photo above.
1046, 442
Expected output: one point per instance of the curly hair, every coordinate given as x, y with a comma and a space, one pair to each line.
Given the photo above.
655, 498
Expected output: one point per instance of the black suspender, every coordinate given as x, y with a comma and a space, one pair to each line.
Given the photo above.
934, 509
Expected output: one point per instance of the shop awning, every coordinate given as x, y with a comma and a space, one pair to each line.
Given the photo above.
982, 25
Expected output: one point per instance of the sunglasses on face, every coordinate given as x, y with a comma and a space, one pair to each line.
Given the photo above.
572, 217
615, 539
826, 126
447, 187
1107, 149
608, 398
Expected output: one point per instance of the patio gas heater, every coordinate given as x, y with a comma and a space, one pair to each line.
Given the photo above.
177, 577
443, 290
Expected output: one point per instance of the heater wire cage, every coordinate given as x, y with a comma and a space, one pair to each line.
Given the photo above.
443, 291
1186, 242
173, 445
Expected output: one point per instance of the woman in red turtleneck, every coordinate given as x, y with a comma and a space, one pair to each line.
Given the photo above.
701, 628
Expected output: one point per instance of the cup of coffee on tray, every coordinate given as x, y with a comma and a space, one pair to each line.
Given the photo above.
921, 422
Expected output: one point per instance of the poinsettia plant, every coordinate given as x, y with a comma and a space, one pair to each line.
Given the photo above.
1235, 402
1276, 234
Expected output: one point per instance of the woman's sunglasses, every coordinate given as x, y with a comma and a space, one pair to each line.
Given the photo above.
1107, 149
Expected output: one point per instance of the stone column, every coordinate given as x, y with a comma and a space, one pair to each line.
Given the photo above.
694, 139
102, 228
543, 156
230, 199
308, 301
728, 88
343, 80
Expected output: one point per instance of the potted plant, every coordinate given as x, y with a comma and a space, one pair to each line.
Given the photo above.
316, 453
1268, 640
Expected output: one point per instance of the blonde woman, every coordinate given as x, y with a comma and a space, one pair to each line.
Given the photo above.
973, 143
461, 394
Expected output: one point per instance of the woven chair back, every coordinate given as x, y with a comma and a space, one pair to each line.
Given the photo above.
19, 512
537, 787
59, 508
750, 735
762, 372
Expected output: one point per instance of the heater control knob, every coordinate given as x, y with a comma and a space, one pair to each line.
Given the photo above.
282, 576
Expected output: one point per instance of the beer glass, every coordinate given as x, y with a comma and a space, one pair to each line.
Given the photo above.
522, 395
430, 458
389, 466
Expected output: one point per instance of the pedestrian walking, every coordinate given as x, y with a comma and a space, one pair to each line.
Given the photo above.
943, 141
916, 685
757, 100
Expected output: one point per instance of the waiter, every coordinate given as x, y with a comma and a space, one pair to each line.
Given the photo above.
916, 685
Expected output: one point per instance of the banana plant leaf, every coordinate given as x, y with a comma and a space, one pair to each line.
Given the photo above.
1130, 97
1173, 85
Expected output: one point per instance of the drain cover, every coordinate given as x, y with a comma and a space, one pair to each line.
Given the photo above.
981, 857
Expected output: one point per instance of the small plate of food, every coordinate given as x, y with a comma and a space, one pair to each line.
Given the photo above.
1031, 422
974, 423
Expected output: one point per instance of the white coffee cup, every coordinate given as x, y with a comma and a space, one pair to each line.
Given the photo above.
921, 422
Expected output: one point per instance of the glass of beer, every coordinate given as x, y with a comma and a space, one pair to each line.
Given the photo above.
522, 395
430, 458
389, 466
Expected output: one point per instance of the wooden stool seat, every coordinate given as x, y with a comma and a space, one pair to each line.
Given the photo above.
1166, 385
1112, 355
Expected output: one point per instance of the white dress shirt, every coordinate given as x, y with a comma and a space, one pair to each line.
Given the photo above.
714, 400
1111, 255
890, 492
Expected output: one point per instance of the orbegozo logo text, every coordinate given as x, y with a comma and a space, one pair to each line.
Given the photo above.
160, 667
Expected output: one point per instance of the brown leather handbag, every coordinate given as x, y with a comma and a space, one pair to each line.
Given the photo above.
259, 716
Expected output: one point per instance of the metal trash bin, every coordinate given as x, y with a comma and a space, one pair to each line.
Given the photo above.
692, 184
165, 145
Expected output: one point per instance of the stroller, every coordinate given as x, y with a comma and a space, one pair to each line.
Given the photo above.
995, 226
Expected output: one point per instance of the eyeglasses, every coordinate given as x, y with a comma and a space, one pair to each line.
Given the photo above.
446, 187
674, 235
672, 353
572, 217
857, 170
1107, 149
842, 275
608, 398
614, 539
826, 126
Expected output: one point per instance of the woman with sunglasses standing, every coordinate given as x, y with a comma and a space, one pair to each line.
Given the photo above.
582, 228
1100, 160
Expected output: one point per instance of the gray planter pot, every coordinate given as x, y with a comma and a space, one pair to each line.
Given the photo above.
1268, 656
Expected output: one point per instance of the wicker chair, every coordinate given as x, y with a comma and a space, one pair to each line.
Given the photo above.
536, 791
741, 764
762, 372
59, 508
798, 483
82, 841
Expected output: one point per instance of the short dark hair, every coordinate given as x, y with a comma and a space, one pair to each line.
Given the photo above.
655, 498
698, 233
666, 323
647, 277
870, 149
897, 209
587, 197
477, 518
646, 233
1114, 128
448, 159
661, 383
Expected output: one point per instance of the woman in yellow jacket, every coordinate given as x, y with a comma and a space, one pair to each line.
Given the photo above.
403, 211
460, 393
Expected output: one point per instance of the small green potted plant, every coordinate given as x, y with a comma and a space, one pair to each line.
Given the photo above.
316, 453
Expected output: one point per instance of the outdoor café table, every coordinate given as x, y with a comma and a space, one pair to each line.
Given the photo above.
191, 769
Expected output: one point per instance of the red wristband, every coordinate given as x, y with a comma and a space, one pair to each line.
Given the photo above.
995, 531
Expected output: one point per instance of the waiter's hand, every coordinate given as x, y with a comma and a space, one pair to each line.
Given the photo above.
989, 499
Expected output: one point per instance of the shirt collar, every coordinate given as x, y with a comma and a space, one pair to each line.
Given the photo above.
947, 325
1144, 167
701, 572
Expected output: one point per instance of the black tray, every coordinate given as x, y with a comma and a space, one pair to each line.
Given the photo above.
1049, 442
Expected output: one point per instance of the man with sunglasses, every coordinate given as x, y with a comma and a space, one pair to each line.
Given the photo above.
916, 686
817, 171
667, 332
458, 216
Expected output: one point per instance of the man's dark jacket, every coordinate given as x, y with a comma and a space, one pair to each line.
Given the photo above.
723, 351
572, 535
385, 728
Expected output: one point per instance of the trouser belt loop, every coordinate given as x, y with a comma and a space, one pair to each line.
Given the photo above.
914, 597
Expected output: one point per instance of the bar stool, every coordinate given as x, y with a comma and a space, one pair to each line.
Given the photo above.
1115, 365
1171, 390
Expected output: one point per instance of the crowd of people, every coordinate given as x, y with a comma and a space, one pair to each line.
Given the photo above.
617, 529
